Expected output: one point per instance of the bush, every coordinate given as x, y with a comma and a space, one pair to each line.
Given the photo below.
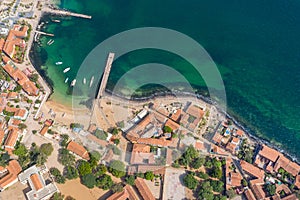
118, 187
130, 180
149, 175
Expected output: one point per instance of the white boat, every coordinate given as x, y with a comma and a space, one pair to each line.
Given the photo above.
59, 63
92, 80
66, 80
73, 83
50, 42
84, 81
67, 69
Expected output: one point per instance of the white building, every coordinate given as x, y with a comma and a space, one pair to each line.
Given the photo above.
39, 189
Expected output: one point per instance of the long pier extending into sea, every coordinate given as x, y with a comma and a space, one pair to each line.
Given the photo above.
105, 76
65, 13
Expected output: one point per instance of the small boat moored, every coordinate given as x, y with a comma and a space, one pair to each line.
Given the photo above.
92, 80
67, 69
84, 81
73, 83
66, 80
59, 63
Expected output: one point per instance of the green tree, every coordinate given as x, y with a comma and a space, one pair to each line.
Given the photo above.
149, 175
117, 187
21, 150
57, 196
4, 159
114, 131
218, 186
244, 182
117, 168
64, 140
271, 189
197, 163
202, 175
105, 182
89, 180
100, 170
190, 181
230, 193
167, 129
84, 168
216, 172
96, 155
117, 141
22, 126
70, 198
71, 172
130, 180
65, 157
46, 149
57, 175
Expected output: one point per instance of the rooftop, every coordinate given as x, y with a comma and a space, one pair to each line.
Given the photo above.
78, 150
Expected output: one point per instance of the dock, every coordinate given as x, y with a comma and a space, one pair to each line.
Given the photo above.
105, 75
55, 11
43, 33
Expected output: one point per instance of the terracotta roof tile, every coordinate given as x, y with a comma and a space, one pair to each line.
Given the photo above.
251, 169
249, 195
269, 153
143, 189
78, 149
35, 179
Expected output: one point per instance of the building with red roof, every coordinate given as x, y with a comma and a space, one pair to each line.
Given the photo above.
252, 170
11, 177
78, 149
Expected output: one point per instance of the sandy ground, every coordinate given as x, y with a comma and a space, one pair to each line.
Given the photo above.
75, 189
14, 192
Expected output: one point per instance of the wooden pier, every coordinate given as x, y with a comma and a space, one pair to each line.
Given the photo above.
105, 75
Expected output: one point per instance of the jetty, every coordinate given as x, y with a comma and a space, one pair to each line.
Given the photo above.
105, 75
56, 11
43, 33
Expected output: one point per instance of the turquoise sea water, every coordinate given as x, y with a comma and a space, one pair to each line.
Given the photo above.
256, 45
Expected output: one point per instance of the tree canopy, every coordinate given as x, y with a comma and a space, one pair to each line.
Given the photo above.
117, 168
89, 180
84, 168
190, 181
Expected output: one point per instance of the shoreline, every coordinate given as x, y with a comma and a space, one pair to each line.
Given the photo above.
47, 80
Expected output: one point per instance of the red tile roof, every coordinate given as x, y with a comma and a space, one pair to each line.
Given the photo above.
289, 166
297, 181
252, 170
258, 191
143, 189
290, 197
44, 130
35, 179
127, 193
13, 169
11, 138
173, 125
78, 149
270, 154
249, 195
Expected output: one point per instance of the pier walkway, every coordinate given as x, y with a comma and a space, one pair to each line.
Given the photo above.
43, 33
65, 13
105, 76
